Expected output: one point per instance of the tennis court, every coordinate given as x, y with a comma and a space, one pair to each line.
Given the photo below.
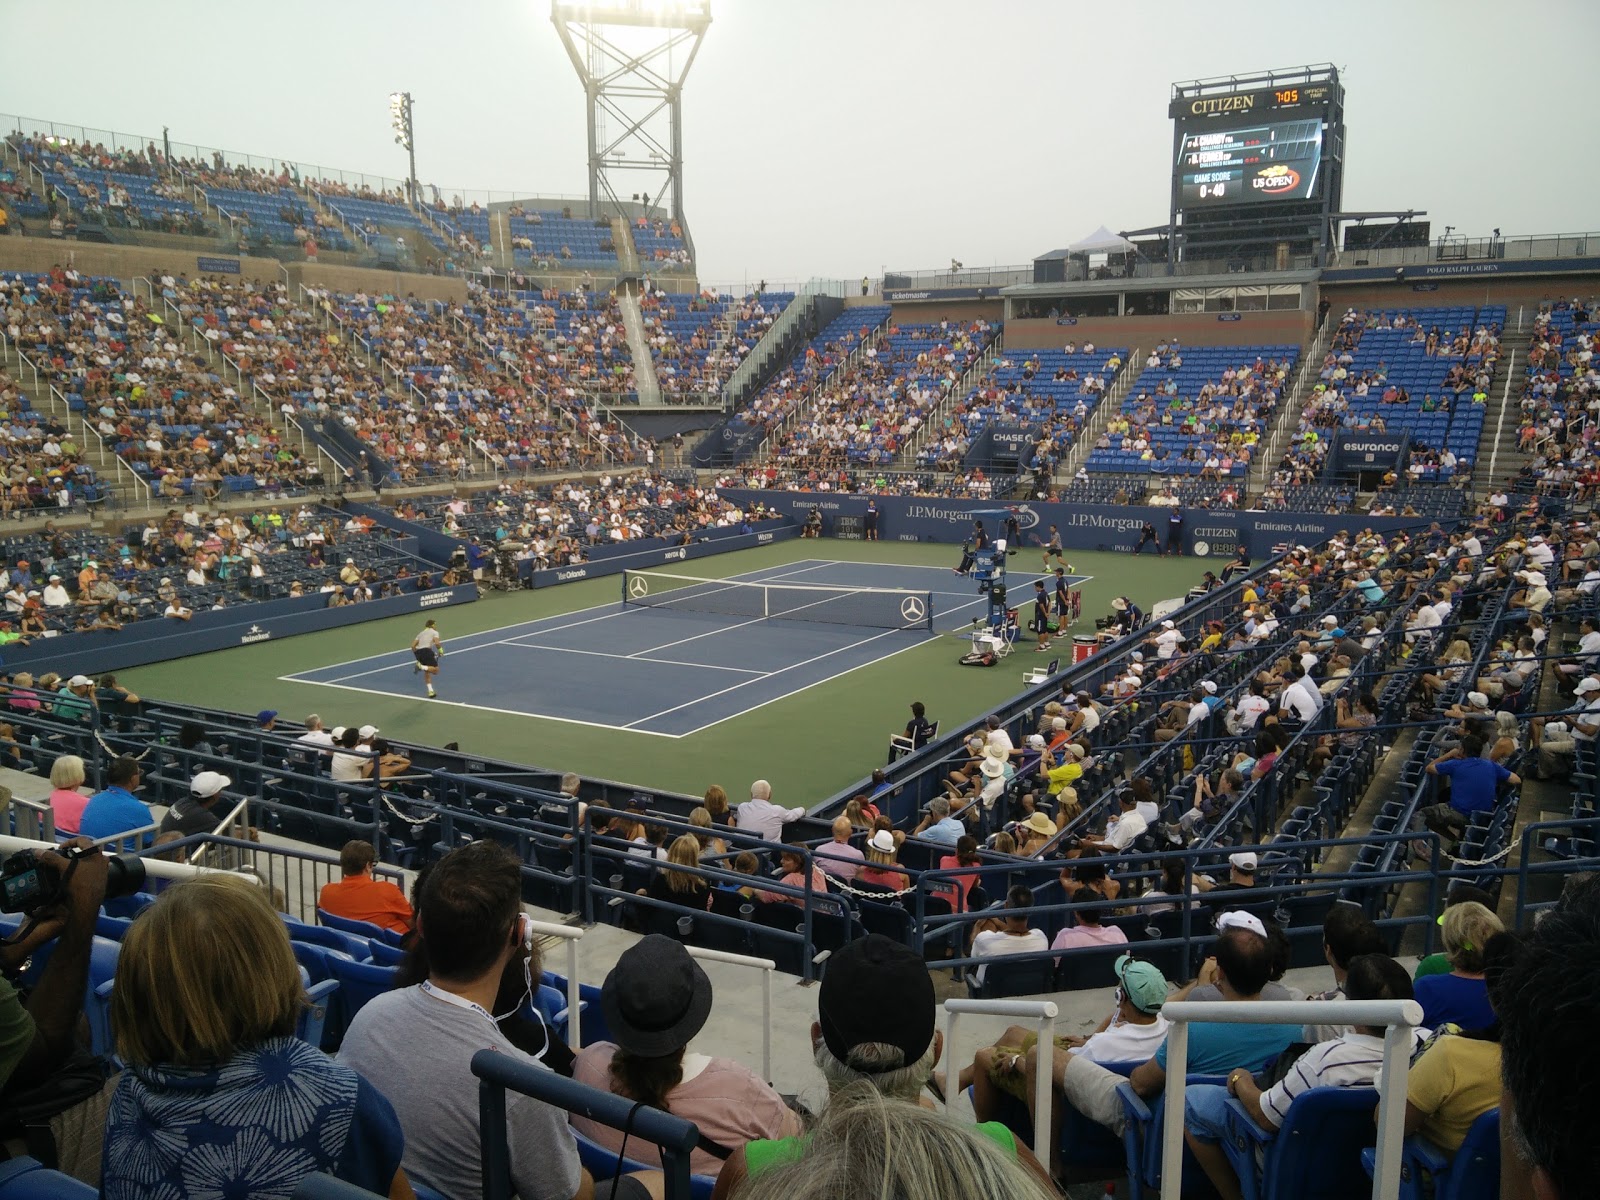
684, 654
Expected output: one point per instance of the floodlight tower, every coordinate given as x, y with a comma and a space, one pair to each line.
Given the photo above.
400, 122
632, 57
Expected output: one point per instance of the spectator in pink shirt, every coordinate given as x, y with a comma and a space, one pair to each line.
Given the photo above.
793, 865
66, 798
1089, 931
840, 858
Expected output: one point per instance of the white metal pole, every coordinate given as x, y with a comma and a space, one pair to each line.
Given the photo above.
1172, 1128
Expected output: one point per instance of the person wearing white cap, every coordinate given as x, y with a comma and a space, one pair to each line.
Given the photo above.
198, 811
1558, 740
55, 594
1166, 641
1535, 596
75, 699
1539, 552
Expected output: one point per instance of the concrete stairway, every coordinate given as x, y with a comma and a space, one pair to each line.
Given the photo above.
1283, 425
644, 366
130, 491
1110, 404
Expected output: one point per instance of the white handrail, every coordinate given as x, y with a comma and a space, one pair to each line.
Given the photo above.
766, 966
1500, 421
1398, 1016
160, 868
1042, 1011
569, 935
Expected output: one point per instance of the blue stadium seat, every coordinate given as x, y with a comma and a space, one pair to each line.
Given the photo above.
1315, 1155
28, 1179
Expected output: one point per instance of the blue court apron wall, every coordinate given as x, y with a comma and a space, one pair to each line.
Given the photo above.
1206, 532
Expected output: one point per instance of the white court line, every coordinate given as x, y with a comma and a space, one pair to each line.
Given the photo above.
666, 662
818, 658
815, 564
509, 712
401, 657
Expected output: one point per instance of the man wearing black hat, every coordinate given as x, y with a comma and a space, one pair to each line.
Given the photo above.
875, 1025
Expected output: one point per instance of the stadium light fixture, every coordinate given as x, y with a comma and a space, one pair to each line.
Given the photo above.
404, 135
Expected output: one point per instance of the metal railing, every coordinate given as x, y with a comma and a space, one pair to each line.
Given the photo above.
1043, 1013
1518, 247
1398, 1017
766, 966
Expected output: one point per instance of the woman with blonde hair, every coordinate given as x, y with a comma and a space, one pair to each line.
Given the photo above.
67, 797
677, 886
1451, 668
1461, 997
220, 1097
700, 818
869, 1147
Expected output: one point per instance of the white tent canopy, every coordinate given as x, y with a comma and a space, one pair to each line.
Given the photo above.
1101, 241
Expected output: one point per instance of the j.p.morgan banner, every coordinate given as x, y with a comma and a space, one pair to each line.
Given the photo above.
1205, 532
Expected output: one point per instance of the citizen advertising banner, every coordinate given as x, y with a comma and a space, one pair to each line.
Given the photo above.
1206, 533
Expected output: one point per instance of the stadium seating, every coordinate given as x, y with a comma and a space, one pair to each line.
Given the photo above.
697, 341
1051, 393
1196, 411
864, 412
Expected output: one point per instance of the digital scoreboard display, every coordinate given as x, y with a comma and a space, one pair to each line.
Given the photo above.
1248, 164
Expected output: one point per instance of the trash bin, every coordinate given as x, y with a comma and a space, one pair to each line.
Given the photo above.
1083, 645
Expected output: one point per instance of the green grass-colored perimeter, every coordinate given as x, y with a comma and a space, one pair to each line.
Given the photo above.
809, 745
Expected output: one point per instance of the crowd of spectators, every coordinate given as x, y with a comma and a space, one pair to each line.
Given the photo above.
556, 524
1559, 400
137, 382
1198, 412
696, 341
1049, 392
58, 581
867, 411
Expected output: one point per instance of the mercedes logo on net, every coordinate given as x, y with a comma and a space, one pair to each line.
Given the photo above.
638, 586
912, 610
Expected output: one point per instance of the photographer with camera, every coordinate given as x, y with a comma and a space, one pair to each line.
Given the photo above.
69, 886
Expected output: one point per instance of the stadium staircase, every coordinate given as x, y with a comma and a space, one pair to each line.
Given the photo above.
1289, 410
952, 396
110, 471
645, 382
1499, 457
800, 413
772, 352
1100, 417
627, 253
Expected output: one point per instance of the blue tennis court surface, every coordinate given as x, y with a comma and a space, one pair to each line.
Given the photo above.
661, 670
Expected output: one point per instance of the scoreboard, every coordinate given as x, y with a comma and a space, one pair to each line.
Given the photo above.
1223, 162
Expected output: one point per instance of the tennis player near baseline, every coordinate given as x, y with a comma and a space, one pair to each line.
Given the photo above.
427, 648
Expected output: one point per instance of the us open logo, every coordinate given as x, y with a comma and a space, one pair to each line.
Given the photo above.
1276, 179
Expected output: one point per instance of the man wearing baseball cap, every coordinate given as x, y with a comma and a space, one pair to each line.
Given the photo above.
875, 1026
1558, 740
198, 811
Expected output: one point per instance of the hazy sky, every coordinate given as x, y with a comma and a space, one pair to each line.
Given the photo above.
839, 137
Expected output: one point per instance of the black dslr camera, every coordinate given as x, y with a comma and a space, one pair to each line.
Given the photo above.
24, 888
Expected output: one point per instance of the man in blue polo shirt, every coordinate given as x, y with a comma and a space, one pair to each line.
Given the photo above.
116, 810
1474, 787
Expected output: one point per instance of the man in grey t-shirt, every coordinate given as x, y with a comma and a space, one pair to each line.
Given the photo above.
416, 1045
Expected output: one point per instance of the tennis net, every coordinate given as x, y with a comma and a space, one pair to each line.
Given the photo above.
872, 608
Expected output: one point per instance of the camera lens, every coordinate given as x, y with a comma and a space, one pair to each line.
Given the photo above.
124, 876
